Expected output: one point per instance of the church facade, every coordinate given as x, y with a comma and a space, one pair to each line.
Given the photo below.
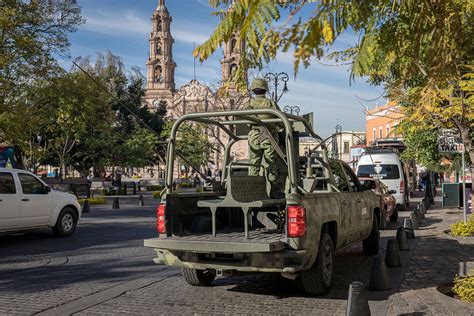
193, 96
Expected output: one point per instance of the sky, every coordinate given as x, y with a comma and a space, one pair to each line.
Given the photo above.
124, 26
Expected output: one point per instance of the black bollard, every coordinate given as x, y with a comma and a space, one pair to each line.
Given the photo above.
141, 200
402, 239
392, 254
408, 226
418, 216
414, 220
86, 208
422, 210
357, 301
115, 204
378, 275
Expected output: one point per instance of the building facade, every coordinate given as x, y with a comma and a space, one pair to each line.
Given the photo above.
382, 122
193, 96
344, 146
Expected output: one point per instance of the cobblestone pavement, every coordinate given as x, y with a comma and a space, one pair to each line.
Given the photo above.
104, 269
435, 262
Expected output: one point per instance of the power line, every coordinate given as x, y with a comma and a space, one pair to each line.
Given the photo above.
115, 97
135, 116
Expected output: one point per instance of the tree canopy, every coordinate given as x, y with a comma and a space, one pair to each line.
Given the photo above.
422, 52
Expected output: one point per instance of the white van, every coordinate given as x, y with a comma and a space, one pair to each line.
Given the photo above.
386, 165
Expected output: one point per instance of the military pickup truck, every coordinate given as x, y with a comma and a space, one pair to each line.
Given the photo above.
239, 227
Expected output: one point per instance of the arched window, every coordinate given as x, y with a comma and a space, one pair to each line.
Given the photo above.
158, 75
159, 26
233, 45
232, 69
158, 46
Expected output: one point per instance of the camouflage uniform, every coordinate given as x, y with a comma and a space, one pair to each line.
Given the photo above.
259, 146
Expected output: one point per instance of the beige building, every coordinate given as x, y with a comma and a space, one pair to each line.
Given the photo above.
339, 147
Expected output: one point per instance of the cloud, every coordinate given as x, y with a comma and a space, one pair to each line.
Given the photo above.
189, 37
130, 23
117, 24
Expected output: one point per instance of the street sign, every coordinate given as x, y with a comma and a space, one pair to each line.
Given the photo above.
449, 141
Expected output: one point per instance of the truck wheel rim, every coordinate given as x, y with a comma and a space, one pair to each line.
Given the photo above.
67, 222
327, 264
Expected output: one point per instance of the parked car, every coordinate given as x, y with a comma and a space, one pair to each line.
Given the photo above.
26, 203
385, 165
387, 201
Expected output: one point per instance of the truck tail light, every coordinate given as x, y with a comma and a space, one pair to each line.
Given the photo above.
402, 186
296, 221
160, 219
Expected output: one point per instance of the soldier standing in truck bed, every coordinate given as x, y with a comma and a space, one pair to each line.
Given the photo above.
260, 145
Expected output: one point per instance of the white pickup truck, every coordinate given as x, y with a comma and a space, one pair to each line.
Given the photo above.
28, 203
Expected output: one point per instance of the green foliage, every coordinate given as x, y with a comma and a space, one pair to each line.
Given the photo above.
157, 194
420, 51
94, 201
422, 144
462, 229
140, 148
192, 144
31, 34
155, 188
464, 288
76, 108
72, 121
185, 185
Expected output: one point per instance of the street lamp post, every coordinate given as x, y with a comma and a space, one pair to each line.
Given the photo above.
335, 142
276, 79
291, 109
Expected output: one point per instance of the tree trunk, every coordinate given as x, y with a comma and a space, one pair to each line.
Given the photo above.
466, 139
62, 166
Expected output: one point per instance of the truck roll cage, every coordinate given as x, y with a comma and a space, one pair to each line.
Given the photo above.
246, 117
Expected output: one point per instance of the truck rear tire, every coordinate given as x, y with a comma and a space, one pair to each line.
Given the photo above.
318, 279
197, 277
371, 244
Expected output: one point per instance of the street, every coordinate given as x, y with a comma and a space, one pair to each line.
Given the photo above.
104, 269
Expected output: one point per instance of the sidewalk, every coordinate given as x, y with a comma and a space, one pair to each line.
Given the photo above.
434, 262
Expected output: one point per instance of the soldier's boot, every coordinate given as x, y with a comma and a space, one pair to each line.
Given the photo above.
276, 192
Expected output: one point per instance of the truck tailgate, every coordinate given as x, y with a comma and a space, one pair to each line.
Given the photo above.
223, 242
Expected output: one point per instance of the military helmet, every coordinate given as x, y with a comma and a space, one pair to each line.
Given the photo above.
259, 84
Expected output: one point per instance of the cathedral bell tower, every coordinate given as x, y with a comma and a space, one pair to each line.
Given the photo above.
232, 54
160, 65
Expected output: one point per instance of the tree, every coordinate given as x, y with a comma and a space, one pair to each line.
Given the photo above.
31, 34
77, 109
421, 51
140, 148
133, 128
192, 144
